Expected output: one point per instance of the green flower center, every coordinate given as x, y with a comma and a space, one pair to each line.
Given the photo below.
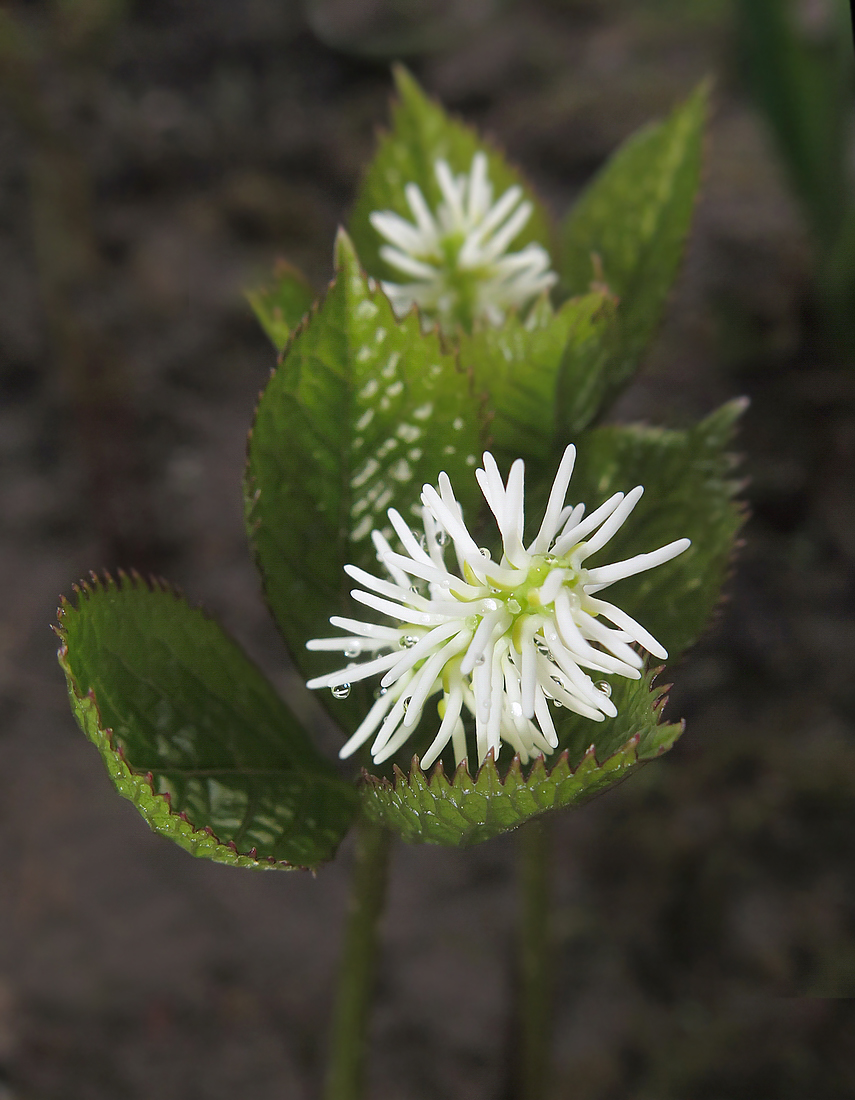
462, 283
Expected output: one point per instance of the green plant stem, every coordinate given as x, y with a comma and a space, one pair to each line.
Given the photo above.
346, 1070
535, 959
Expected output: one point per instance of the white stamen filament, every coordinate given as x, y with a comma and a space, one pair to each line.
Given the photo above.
504, 642
468, 235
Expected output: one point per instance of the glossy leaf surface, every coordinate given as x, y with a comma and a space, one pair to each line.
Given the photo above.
689, 491
540, 378
361, 412
193, 734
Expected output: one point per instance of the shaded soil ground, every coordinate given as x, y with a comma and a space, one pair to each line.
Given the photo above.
705, 921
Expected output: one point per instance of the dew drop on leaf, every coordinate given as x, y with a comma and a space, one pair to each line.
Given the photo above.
605, 687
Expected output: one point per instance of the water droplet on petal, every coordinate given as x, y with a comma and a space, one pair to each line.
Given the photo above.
483, 551
340, 691
404, 705
516, 710
353, 650
605, 687
407, 641
480, 660
380, 692
423, 541
441, 537
514, 607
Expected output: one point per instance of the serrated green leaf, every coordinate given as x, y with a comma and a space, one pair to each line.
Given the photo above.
689, 492
421, 134
540, 376
460, 811
193, 734
281, 304
629, 228
362, 411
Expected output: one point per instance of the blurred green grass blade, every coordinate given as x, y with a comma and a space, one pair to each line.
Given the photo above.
803, 83
193, 734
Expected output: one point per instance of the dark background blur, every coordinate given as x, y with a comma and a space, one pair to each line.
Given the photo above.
155, 158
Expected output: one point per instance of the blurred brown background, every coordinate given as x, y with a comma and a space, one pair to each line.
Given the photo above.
155, 157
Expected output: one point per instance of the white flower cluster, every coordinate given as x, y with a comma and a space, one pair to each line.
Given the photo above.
499, 640
457, 260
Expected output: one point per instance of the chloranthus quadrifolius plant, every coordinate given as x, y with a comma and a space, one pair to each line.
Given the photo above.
436, 516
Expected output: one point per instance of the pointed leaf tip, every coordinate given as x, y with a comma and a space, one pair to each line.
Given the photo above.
421, 133
344, 252
280, 304
635, 218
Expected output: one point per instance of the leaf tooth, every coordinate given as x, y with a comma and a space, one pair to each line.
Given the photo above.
515, 771
561, 765
462, 778
487, 763
376, 781
438, 779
